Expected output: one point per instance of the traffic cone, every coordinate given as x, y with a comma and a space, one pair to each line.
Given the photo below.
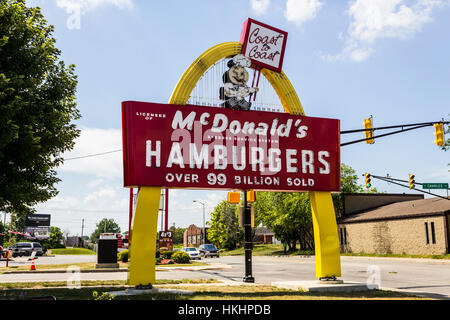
33, 267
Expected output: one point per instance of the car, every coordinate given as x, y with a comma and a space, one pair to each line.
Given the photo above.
208, 250
192, 252
26, 248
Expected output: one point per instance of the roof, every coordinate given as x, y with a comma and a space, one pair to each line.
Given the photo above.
263, 230
402, 210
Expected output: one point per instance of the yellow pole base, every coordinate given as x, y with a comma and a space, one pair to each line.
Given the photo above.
326, 240
141, 270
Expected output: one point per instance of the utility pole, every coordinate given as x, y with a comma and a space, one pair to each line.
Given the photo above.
82, 229
204, 230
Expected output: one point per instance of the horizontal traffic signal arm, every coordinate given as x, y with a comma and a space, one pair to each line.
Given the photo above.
392, 180
410, 126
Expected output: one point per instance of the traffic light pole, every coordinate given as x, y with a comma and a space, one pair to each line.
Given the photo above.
391, 180
248, 244
413, 125
381, 135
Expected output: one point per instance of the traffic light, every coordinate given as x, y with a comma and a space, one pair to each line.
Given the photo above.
369, 133
439, 134
412, 182
251, 197
367, 176
234, 197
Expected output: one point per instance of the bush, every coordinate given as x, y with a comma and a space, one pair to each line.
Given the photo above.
181, 257
123, 256
168, 254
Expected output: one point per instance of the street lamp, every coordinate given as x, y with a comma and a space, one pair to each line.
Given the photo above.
203, 231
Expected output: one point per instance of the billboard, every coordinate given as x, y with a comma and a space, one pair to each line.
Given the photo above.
198, 147
37, 226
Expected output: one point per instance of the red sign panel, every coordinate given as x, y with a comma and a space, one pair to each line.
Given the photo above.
216, 148
263, 44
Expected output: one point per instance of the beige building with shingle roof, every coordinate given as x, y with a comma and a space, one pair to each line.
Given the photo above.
409, 227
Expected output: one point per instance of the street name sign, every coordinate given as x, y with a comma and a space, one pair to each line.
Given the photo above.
434, 185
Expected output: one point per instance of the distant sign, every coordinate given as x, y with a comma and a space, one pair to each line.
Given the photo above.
37, 226
263, 44
166, 240
434, 185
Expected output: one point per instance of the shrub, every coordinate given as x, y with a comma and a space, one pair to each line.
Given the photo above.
103, 296
167, 254
181, 257
123, 256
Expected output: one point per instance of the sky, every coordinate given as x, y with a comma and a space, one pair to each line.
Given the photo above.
347, 60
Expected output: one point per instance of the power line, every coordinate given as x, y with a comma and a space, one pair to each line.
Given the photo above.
93, 155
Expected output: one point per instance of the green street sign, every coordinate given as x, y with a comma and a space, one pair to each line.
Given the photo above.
434, 185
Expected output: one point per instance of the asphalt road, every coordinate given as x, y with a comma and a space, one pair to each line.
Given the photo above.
422, 276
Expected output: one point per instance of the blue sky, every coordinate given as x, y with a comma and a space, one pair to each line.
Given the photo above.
347, 60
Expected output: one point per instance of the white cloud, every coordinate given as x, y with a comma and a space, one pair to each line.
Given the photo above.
259, 7
300, 11
87, 5
380, 19
94, 141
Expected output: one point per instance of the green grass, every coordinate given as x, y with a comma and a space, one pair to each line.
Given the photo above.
204, 291
71, 251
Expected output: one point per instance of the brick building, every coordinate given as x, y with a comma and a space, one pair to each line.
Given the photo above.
404, 227
193, 236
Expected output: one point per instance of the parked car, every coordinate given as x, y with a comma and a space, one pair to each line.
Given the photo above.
26, 248
192, 252
208, 250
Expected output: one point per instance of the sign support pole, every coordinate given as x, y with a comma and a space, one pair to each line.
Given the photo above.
141, 271
248, 244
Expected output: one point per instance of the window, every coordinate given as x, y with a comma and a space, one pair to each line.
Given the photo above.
426, 233
433, 237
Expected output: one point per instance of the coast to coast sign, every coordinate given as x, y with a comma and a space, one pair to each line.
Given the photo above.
202, 147
263, 44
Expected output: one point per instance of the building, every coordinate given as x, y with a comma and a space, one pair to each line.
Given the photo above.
373, 225
74, 242
263, 235
192, 236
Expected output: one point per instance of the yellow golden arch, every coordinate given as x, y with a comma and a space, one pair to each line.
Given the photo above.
143, 243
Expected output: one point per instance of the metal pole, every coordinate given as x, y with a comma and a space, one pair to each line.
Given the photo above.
82, 229
204, 230
166, 221
130, 216
248, 245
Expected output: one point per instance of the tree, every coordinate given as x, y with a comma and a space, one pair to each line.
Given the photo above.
104, 226
178, 234
55, 240
288, 215
224, 228
37, 107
